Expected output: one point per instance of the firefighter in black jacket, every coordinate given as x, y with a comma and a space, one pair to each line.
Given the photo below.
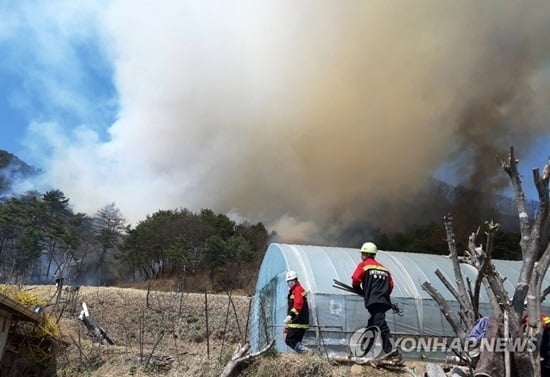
297, 319
373, 280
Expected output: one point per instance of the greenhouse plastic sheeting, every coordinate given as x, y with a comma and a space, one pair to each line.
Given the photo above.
335, 315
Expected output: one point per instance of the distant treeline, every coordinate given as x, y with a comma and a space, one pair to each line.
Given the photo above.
417, 225
42, 239
431, 238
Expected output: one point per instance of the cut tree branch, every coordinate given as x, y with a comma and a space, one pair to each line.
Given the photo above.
486, 263
451, 241
511, 168
467, 317
240, 356
522, 286
444, 307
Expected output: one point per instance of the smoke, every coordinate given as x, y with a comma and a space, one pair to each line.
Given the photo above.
305, 115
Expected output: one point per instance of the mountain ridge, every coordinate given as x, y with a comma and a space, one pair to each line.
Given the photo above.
13, 169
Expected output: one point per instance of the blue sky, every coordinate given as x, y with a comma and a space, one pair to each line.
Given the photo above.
25, 103
52, 75
295, 115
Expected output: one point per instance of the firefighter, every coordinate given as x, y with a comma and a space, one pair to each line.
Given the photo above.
374, 282
544, 345
297, 319
544, 350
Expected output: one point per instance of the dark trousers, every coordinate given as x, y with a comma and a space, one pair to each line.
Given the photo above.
378, 318
294, 336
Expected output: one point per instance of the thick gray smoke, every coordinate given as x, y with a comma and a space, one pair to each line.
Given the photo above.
306, 115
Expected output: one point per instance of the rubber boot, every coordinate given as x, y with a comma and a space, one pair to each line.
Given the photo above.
301, 348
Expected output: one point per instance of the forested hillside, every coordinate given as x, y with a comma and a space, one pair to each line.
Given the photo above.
42, 238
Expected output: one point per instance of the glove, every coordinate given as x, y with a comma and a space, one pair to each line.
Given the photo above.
397, 310
358, 290
288, 319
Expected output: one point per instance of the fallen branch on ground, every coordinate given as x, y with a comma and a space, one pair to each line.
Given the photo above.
240, 356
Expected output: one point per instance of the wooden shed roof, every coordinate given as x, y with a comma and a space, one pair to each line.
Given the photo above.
17, 310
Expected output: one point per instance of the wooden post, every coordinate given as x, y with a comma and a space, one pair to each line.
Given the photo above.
507, 346
207, 330
248, 319
225, 323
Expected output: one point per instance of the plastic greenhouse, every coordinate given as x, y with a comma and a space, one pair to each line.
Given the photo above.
336, 315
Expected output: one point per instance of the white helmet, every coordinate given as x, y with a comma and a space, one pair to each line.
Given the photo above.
369, 248
291, 275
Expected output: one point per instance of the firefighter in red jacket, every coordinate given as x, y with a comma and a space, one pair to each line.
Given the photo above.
545, 346
374, 282
297, 319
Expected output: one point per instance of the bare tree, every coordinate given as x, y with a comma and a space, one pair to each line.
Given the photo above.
535, 249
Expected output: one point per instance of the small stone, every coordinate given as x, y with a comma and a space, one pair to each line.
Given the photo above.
356, 370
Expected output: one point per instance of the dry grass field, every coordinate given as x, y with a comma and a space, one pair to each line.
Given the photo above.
158, 333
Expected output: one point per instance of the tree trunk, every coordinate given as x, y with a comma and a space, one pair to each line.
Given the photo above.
534, 240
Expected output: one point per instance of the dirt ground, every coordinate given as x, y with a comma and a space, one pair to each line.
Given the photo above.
164, 334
